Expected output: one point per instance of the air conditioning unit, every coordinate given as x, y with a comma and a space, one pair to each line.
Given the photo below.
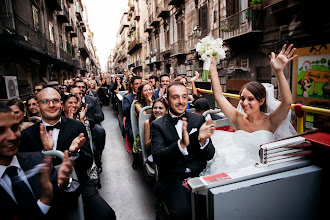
9, 87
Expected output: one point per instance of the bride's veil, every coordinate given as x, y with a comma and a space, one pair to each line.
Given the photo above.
285, 129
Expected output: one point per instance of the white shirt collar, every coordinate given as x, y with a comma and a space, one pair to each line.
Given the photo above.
14, 163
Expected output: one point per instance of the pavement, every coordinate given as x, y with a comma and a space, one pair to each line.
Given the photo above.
126, 190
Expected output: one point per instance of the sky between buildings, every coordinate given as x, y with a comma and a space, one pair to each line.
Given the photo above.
104, 20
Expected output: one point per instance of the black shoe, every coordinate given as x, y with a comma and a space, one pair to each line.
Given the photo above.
135, 165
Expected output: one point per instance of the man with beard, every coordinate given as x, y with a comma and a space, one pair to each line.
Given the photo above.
181, 146
66, 134
45, 195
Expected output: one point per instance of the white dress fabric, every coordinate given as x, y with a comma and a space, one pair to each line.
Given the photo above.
236, 150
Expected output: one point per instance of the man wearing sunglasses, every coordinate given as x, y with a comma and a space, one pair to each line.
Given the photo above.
38, 87
62, 134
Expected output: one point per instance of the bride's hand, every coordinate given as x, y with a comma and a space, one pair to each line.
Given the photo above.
286, 55
213, 67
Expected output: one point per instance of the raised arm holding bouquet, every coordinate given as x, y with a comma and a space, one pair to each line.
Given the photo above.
207, 48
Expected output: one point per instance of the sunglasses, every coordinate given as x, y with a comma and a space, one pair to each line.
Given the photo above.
37, 90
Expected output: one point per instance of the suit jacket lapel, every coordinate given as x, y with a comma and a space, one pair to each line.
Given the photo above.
34, 181
190, 126
171, 127
62, 135
6, 200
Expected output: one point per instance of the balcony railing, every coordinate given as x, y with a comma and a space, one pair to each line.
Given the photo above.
243, 22
147, 28
83, 49
24, 34
155, 58
83, 26
132, 26
136, 16
69, 26
175, 2
134, 44
162, 10
153, 20
63, 15
147, 61
65, 56
178, 48
54, 5
74, 32
138, 63
78, 12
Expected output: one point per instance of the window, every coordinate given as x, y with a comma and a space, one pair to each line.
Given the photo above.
203, 19
51, 32
35, 14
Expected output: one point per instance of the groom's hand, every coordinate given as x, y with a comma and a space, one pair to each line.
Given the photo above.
184, 142
206, 130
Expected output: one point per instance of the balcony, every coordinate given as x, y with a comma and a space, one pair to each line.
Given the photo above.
122, 27
136, 16
138, 63
74, 32
78, 12
245, 22
155, 58
134, 45
69, 26
131, 65
83, 49
131, 6
147, 28
63, 15
65, 56
54, 5
162, 10
147, 62
16, 33
178, 48
176, 3
132, 26
153, 21
83, 26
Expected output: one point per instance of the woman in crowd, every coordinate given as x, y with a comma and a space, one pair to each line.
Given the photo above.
103, 89
17, 106
159, 109
257, 120
33, 106
70, 106
119, 85
144, 98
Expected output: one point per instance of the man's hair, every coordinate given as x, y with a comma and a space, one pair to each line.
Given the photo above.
163, 75
174, 83
79, 81
154, 77
44, 85
4, 108
134, 78
202, 104
16, 101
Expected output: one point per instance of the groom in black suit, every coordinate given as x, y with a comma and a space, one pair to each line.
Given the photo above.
71, 135
181, 146
45, 195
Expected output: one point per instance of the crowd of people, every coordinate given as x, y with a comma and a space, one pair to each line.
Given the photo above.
179, 141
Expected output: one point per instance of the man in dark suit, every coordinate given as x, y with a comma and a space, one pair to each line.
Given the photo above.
71, 135
128, 100
45, 195
181, 146
164, 81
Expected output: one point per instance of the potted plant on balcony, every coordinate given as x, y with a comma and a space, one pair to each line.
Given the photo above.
257, 4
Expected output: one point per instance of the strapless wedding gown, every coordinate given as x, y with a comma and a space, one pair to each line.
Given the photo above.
236, 150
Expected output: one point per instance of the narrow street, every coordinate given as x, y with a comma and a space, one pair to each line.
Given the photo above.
126, 190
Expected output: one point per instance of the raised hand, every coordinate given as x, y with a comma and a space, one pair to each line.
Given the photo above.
184, 142
46, 139
77, 143
45, 184
195, 77
286, 55
162, 91
83, 112
65, 170
70, 115
206, 130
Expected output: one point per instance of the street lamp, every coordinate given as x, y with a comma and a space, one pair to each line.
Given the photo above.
197, 31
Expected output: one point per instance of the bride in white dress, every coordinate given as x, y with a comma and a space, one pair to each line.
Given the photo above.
257, 120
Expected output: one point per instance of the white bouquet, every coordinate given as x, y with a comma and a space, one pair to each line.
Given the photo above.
206, 48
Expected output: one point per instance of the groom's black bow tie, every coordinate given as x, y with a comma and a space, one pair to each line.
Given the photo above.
58, 126
176, 119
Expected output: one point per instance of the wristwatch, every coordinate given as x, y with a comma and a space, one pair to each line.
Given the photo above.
74, 153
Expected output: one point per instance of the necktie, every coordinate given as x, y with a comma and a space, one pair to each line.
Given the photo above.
24, 197
176, 119
51, 127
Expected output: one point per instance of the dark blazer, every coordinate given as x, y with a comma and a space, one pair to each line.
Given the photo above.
70, 129
166, 153
62, 201
95, 108
128, 100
